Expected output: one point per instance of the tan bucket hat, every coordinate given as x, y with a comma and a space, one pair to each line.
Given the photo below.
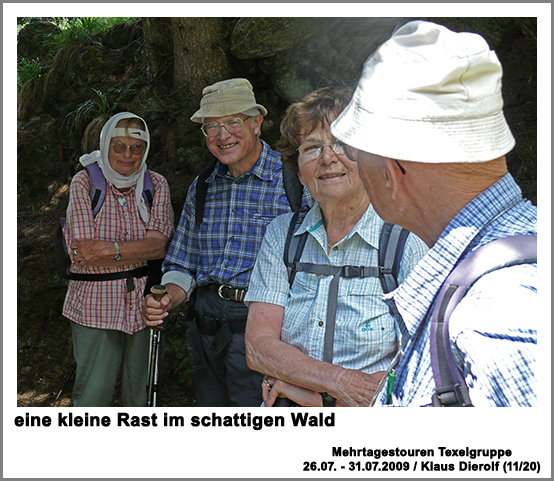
429, 94
229, 97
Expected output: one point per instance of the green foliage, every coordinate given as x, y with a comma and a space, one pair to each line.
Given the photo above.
73, 31
29, 69
97, 106
82, 30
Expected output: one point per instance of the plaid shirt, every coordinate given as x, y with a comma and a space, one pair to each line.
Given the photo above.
107, 304
237, 211
365, 337
493, 330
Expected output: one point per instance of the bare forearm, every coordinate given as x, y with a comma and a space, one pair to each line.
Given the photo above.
350, 387
265, 352
268, 354
285, 362
97, 253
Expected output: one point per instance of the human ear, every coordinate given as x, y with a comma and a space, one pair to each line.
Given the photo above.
391, 174
257, 123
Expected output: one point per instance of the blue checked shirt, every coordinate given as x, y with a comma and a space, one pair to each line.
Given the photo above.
493, 330
365, 337
223, 248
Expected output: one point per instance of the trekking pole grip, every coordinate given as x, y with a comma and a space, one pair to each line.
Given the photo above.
158, 291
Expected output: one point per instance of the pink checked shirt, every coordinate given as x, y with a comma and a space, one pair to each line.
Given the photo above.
107, 304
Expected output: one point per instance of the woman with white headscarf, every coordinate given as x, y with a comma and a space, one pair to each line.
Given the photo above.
109, 335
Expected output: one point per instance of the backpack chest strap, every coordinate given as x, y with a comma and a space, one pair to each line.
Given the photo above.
349, 272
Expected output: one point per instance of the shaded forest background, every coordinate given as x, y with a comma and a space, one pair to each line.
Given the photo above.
156, 68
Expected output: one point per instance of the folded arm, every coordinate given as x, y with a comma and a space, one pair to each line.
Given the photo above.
99, 253
265, 352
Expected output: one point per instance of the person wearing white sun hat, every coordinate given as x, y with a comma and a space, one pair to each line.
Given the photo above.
427, 130
210, 260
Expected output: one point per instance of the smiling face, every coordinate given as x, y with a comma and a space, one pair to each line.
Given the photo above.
330, 177
239, 151
125, 163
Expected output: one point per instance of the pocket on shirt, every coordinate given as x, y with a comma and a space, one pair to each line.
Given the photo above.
374, 325
368, 291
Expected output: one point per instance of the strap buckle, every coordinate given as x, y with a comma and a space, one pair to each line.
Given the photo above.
352, 271
455, 395
237, 294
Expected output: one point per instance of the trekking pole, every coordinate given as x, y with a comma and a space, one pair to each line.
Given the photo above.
66, 381
152, 389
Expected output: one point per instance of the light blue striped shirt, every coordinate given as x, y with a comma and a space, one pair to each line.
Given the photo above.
365, 338
493, 330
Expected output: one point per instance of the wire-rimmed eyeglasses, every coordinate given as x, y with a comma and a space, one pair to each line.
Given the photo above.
233, 126
314, 150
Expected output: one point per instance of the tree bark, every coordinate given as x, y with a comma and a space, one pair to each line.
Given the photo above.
200, 55
158, 48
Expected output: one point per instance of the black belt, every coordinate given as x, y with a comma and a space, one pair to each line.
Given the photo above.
111, 276
227, 292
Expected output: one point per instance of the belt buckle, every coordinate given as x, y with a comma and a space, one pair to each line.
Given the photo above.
220, 292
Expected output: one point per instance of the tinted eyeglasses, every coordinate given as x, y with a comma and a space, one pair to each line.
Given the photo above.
353, 153
136, 149
233, 126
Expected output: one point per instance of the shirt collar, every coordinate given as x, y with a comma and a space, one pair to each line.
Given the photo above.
368, 227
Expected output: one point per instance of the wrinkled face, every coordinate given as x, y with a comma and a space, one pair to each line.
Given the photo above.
239, 151
330, 176
126, 162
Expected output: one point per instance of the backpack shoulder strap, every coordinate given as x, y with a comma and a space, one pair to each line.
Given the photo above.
293, 189
451, 389
97, 187
294, 244
391, 248
148, 192
201, 192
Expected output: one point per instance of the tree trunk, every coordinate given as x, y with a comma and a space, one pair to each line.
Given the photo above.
200, 56
158, 49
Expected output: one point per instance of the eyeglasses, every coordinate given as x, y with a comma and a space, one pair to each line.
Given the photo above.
233, 126
353, 153
136, 149
314, 150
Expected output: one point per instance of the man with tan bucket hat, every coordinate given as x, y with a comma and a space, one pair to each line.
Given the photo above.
427, 130
211, 257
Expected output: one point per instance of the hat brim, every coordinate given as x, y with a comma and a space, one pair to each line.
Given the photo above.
224, 110
431, 141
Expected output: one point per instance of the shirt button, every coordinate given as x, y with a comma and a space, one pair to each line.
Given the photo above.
320, 323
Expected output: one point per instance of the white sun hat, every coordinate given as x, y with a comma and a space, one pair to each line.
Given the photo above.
229, 97
429, 94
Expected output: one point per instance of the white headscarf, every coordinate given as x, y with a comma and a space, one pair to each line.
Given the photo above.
102, 159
